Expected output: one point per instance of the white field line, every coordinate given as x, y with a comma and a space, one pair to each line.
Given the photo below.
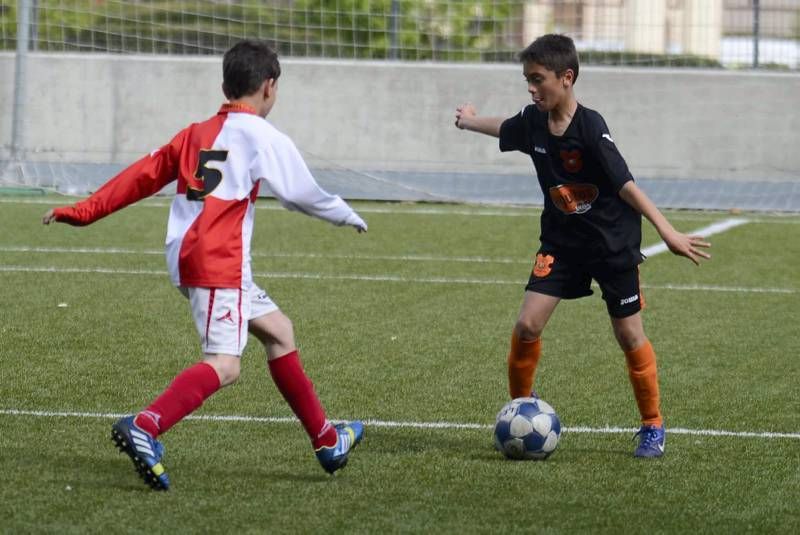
355, 256
406, 425
710, 230
715, 288
499, 211
714, 228
385, 278
513, 211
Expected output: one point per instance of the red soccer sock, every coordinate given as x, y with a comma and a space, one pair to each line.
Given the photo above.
522, 361
183, 396
644, 379
298, 391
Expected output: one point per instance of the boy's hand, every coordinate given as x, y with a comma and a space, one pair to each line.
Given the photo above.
49, 216
464, 111
354, 220
685, 245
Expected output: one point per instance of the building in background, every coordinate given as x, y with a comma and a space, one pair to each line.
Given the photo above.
718, 29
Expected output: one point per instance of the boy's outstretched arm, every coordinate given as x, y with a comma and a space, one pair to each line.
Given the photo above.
677, 242
140, 180
283, 169
467, 119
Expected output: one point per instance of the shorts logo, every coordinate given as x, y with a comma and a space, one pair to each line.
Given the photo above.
574, 198
227, 317
629, 300
572, 160
543, 265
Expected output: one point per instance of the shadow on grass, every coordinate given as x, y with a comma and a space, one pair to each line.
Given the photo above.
482, 449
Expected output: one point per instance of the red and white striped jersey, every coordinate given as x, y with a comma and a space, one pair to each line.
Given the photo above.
218, 165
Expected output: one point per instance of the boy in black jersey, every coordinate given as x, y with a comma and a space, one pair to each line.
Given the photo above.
590, 226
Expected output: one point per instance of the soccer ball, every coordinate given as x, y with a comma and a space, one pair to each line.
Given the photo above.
527, 428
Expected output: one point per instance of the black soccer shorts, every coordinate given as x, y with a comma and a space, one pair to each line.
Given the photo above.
571, 279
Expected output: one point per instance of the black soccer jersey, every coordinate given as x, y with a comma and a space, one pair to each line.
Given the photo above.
580, 173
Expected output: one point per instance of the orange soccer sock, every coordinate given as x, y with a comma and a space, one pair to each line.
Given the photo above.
522, 361
644, 378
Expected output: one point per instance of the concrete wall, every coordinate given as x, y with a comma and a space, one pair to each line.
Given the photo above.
399, 116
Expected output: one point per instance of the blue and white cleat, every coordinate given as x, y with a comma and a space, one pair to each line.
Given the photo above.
651, 441
347, 438
144, 451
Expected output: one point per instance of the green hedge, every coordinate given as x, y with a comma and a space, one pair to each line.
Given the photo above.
326, 28
646, 60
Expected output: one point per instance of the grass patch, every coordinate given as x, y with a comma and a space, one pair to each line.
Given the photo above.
426, 346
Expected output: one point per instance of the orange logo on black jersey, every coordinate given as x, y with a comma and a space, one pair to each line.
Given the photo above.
572, 160
543, 265
574, 198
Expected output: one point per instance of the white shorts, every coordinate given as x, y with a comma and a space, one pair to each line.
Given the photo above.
221, 316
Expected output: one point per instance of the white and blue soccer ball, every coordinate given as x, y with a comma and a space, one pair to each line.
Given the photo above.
527, 428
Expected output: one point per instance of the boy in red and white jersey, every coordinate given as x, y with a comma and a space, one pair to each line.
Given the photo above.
219, 165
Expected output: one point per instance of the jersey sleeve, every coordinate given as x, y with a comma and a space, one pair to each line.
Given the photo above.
514, 133
141, 179
287, 176
606, 152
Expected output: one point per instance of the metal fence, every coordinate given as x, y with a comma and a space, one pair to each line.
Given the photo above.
727, 33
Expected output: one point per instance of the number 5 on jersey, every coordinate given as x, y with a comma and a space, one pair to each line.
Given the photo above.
206, 178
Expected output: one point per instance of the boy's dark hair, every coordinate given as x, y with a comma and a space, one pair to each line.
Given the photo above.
245, 67
555, 52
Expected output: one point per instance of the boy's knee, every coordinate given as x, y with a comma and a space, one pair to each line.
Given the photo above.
227, 367
272, 328
630, 339
285, 328
527, 330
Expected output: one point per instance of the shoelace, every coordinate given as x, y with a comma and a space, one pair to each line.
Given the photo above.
649, 436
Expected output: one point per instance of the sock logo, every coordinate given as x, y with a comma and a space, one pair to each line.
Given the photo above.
324, 429
152, 416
